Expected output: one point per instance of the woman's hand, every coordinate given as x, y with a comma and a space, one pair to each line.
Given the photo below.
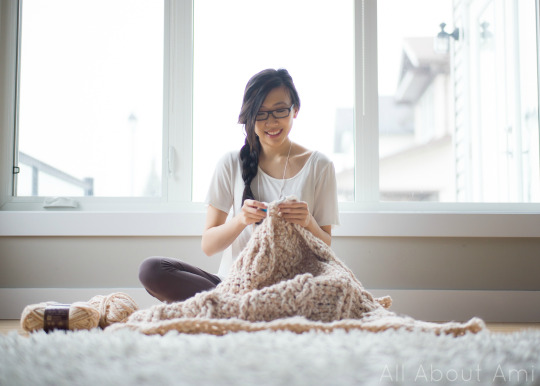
296, 212
252, 212
219, 233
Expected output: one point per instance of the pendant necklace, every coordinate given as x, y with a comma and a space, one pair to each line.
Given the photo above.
284, 172
282, 178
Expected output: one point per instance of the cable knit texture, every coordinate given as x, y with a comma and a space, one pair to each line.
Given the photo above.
285, 279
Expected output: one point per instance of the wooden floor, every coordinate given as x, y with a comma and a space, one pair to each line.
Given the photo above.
14, 325
10, 325
511, 327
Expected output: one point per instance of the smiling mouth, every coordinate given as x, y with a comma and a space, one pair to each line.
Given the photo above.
273, 133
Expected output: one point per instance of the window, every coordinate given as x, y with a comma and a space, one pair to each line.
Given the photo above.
458, 120
139, 102
311, 39
90, 98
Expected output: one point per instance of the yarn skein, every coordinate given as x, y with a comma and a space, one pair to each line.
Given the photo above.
82, 316
113, 308
98, 311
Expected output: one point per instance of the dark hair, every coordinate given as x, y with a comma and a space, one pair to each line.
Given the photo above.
255, 93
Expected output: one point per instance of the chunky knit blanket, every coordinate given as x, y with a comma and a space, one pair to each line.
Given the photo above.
284, 279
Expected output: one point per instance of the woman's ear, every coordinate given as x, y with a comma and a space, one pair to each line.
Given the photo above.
295, 113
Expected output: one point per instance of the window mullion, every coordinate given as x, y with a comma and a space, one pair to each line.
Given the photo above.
8, 82
366, 103
538, 63
177, 152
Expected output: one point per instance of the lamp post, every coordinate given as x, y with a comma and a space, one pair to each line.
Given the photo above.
442, 41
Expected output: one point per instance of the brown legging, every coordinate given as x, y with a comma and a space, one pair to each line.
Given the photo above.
171, 280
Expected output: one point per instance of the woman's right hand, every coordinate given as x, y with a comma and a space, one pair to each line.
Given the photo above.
252, 212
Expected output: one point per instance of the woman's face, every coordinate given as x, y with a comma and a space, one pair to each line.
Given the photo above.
273, 132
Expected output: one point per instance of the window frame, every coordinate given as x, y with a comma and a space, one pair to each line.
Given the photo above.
175, 215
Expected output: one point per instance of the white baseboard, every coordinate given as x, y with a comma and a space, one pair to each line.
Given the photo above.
429, 305
461, 305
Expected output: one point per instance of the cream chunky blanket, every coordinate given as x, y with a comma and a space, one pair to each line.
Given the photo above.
285, 279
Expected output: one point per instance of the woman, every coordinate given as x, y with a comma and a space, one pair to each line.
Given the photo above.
268, 167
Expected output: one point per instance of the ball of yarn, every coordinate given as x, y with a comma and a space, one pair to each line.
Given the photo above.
82, 316
113, 308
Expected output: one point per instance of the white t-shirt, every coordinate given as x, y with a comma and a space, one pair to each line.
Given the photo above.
315, 184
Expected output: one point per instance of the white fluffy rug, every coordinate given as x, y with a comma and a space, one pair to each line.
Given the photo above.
101, 358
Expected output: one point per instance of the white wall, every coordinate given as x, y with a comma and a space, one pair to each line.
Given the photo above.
490, 277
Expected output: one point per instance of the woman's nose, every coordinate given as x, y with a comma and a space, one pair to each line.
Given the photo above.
271, 121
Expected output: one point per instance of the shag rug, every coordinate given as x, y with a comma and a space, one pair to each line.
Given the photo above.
392, 357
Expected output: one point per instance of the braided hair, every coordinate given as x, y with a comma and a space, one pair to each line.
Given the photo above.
254, 95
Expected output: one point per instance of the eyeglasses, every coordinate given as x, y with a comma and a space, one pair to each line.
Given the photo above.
279, 113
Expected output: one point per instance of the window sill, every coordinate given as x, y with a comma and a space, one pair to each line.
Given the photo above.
191, 223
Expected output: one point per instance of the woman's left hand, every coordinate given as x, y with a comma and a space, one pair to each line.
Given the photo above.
296, 212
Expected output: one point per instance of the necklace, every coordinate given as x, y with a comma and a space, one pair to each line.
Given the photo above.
282, 178
285, 171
